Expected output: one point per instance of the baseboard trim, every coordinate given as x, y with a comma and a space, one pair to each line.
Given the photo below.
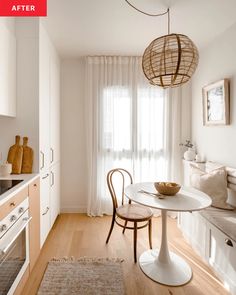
74, 210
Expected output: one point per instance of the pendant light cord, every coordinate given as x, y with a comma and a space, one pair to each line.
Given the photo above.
149, 14
168, 15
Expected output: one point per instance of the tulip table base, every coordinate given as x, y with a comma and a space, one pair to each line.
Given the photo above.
174, 273
163, 266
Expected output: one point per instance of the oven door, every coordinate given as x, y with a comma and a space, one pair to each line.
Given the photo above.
14, 255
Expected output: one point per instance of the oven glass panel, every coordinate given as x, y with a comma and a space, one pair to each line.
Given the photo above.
11, 263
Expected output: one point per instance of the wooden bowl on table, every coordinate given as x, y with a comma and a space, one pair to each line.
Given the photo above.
167, 188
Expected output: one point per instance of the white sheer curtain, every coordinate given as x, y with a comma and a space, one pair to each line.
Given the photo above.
130, 124
174, 124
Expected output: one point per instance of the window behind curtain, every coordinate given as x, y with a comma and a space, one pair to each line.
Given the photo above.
132, 134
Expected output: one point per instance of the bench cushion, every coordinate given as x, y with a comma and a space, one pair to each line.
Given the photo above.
224, 220
214, 184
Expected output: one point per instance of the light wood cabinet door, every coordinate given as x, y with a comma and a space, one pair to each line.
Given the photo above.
20, 287
34, 227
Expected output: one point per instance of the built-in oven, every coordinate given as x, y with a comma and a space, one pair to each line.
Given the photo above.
14, 247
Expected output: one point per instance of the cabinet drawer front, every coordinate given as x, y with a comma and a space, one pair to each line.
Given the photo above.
7, 207
222, 256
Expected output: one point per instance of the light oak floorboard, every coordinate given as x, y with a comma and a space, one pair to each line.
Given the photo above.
78, 235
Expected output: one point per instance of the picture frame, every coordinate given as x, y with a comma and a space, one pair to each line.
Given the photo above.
216, 103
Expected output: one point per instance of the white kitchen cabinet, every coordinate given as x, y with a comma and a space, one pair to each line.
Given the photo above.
7, 71
49, 125
44, 102
54, 109
49, 102
54, 193
49, 200
45, 222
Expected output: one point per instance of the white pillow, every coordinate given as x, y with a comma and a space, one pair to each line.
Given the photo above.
214, 184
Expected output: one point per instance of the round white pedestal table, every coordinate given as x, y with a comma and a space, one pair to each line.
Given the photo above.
163, 266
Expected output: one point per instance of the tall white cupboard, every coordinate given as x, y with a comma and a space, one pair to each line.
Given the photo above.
49, 130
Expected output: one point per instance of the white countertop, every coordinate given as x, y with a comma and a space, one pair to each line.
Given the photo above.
27, 178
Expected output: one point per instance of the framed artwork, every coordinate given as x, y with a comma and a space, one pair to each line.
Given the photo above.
216, 103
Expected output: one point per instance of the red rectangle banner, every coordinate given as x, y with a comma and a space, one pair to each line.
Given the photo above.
23, 7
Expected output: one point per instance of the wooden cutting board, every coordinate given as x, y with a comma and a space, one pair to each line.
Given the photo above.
15, 156
28, 154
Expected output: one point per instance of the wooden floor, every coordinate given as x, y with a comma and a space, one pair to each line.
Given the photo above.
78, 235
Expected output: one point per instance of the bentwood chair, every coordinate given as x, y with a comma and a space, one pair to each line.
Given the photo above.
139, 216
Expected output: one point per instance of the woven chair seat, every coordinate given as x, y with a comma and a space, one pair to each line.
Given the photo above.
134, 212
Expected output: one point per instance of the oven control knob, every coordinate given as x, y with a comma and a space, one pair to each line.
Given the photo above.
3, 227
13, 218
21, 210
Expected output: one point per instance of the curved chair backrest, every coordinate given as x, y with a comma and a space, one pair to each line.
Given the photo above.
126, 179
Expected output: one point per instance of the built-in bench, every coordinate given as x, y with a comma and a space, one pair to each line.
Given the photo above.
224, 220
212, 231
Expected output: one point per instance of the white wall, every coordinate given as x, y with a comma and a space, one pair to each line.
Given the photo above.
73, 150
217, 61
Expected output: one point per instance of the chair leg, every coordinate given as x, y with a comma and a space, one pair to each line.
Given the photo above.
135, 242
111, 228
126, 221
150, 233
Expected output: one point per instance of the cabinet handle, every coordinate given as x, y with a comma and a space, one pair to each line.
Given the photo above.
52, 155
52, 179
42, 166
228, 242
35, 184
44, 177
46, 211
13, 204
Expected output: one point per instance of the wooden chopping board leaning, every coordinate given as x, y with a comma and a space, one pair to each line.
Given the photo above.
27, 161
15, 156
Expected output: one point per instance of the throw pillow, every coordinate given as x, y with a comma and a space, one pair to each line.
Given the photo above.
214, 184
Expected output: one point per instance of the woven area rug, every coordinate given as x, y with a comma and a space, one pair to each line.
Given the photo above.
85, 276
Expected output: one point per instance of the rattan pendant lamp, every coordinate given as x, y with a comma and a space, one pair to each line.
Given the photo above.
170, 60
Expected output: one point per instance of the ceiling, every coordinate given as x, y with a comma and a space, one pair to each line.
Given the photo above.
112, 27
